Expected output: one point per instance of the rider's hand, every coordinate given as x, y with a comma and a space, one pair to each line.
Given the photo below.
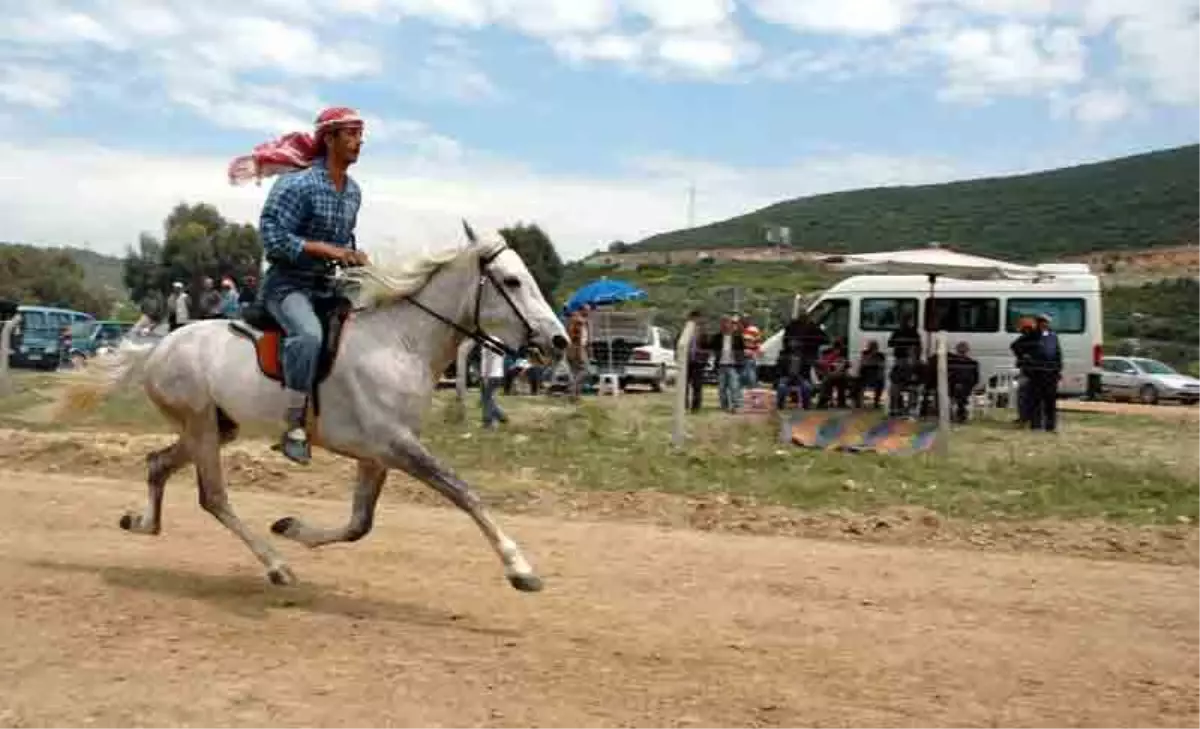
358, 258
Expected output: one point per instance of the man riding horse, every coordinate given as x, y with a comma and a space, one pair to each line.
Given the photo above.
307, 225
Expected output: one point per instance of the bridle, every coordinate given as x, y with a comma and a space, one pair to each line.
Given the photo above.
477, 333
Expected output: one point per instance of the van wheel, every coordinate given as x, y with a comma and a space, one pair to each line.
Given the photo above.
657, 385
78, 361
1148, 395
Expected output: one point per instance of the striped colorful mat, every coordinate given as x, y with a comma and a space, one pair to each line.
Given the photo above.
856, 432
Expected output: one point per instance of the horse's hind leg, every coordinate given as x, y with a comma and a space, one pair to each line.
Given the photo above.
204, 442
161, 465
371, 477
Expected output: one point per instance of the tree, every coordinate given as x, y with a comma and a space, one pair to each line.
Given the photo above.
197, 243
539, 254
618, 246
49, 277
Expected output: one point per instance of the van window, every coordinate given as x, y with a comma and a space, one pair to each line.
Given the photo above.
962, 315
834, 317
1068, 314
33, 320
885, 315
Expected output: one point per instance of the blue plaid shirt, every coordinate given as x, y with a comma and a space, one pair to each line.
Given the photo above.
305, 206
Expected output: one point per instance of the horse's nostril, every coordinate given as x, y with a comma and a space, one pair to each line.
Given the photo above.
559, 341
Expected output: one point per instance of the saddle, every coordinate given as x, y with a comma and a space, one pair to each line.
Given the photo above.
267, 335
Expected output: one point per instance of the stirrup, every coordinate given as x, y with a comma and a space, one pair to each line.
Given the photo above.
295, 446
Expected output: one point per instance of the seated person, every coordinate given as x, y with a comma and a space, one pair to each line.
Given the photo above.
962, 376
834, 367
792, 381
871, 367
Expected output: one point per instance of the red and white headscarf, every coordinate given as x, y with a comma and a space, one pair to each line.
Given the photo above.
294, 151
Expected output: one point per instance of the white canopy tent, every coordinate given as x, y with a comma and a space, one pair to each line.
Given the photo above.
932, 261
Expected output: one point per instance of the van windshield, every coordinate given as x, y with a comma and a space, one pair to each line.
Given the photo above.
834, 317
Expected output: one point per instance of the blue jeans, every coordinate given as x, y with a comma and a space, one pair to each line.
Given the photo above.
487, 398
750, 373
729, 384
302, 343
786, 384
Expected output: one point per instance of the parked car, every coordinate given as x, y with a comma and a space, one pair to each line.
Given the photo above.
629, 345
89, 338
37, 341
1147, 380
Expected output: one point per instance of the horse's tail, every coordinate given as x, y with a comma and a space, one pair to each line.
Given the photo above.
105, 375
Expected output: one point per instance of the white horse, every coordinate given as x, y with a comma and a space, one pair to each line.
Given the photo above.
206, 380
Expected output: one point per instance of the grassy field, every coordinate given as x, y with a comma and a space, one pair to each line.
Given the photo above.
1124, 468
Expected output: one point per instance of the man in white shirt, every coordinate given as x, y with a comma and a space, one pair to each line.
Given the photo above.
491, 379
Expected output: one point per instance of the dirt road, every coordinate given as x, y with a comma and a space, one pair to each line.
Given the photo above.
638, 626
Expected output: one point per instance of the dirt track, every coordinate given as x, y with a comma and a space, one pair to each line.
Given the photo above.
638, 626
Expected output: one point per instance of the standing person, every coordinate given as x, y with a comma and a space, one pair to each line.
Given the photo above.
230, 306
178, 307
752, 335
578, 343
210, 300
248, 291
729, 348
1044, 374
307, 225
491, 379
905, 343
1023, 350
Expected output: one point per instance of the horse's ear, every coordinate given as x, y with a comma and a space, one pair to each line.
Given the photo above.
471, 238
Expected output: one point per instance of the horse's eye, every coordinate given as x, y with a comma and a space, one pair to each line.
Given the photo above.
512, 282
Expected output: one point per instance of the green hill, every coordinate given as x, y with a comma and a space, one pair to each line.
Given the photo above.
1133, 202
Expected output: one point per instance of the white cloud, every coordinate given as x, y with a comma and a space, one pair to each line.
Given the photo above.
451, 72
1008, 59
40, 88
856, 18
410, 204
1096, 107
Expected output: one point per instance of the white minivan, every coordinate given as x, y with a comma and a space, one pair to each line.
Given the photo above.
982, 313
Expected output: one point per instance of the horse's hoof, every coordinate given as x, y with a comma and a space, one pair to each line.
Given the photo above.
526, 583
282, 526
281, 576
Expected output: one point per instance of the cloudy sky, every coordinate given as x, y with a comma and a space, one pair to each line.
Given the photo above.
591, 117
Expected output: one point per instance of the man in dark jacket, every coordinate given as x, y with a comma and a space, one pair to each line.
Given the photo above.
905, 343
728, 347
1044, 373
798, 355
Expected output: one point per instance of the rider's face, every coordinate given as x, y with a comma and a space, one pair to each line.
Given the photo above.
346, 143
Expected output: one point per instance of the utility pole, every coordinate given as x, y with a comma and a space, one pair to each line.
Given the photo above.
691, 210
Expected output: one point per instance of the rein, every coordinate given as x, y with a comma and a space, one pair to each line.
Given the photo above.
477, 334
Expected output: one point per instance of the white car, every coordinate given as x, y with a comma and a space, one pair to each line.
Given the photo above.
1147, 380
652, 363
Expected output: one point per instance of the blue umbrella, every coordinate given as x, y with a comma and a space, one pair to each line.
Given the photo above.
603, 291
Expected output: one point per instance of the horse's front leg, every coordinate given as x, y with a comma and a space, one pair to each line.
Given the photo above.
371, 476
406, 453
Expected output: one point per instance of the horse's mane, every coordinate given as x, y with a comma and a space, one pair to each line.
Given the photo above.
382, 284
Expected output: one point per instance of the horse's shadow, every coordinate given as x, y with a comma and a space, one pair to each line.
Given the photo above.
250, 596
